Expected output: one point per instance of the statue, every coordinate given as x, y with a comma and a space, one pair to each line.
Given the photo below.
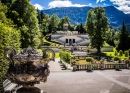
26, 68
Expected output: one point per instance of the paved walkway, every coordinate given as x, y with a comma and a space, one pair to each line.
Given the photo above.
55, 66
107, 81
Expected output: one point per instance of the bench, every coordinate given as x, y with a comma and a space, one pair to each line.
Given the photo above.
9, 87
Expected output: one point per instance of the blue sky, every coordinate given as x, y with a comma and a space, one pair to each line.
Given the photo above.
123, 5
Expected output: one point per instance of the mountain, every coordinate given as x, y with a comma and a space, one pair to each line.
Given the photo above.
116, 17
79, 14
128, 15
76, 14
128, 28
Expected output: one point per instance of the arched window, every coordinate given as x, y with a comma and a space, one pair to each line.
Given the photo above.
66, 40
73, 40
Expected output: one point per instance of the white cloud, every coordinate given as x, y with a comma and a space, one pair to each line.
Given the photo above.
104, 4
89, 4
97, 1
123, 5
65, 3
100, 1
37, 6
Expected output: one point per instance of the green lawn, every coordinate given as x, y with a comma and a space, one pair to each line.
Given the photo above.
109, 54
112, 54
51, 43
82, 62
57, 55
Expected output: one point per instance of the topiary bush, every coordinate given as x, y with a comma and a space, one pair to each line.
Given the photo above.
116, 53
126, 53
89, 59
120, 53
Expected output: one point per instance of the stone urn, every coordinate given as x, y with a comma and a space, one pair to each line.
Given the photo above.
27, 68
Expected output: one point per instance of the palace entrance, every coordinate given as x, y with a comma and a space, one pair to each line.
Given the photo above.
70, 41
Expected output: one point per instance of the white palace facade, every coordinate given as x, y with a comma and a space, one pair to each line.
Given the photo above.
69, 38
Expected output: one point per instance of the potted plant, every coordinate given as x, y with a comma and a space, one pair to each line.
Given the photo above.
89, 66
102, 64
117, 65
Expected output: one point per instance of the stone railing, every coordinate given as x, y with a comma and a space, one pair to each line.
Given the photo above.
68, 66
78, 67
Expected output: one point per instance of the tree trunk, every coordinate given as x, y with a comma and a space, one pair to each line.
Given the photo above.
98, 49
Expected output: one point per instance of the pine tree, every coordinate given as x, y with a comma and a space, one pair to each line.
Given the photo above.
82, 30
42, 15
124, 39
39, 16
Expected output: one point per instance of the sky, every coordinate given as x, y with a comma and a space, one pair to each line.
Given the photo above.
123, 5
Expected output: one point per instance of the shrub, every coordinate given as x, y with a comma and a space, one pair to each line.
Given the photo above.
126, 53
66, 56
48, 38
102, 60
116, 58
39, 51
116, 53
89, 59
120, 53
46, 44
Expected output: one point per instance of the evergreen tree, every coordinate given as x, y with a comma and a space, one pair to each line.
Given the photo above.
110, 37
78, 28
54, 21
62, 21
90, 22
39, 16
97, 25
42, 15
124, 39
81, 29
116, 38
25, 16
71, 27
45, 25
6, 1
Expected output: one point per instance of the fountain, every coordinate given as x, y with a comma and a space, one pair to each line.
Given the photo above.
27, 69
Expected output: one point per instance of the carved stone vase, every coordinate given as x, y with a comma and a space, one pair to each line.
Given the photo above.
27, 69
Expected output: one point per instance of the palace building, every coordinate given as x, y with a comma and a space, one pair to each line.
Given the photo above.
69, 38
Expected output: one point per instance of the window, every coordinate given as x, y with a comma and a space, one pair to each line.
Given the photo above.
73, 40
66, 40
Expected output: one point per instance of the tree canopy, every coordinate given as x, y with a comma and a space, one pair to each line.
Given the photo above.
97, 25
24, 16
9, 37
124, 39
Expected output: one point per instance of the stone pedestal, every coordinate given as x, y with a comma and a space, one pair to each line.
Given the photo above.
29, 90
